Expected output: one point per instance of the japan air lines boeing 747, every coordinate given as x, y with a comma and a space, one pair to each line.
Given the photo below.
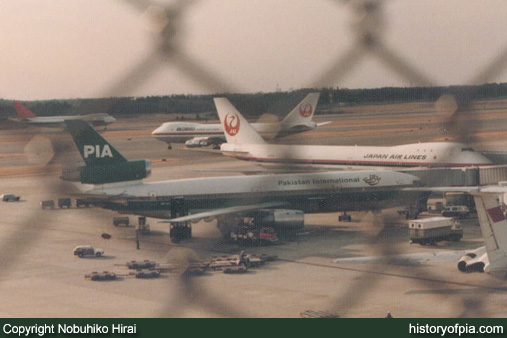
244, 143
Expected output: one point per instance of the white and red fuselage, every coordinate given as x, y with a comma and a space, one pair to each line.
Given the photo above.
430, 154
182, 131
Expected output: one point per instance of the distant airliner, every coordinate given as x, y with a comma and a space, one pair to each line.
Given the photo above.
200, 134
26, 116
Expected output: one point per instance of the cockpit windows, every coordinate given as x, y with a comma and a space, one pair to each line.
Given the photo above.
468, 149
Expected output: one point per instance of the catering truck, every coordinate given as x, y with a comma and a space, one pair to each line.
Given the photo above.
433, 230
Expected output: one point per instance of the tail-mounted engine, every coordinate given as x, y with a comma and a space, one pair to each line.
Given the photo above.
474, 261
111, 173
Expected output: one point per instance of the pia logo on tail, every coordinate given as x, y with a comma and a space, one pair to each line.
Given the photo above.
231, 124
305, 109
97, 151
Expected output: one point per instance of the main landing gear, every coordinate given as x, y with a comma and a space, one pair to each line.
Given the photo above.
179, 231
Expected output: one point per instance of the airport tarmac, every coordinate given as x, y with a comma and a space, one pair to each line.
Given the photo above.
39, 276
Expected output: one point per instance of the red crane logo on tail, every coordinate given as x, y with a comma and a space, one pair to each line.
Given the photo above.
231, 124
305, 109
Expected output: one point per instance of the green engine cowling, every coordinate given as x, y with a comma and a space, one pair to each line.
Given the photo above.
111, 173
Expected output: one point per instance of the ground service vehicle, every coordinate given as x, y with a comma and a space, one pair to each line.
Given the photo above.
10, 198
47, 204
459, 199
64, 202
124, 220
100, 276
87, 250
460, 211
147, 273
345, 218
433, 230
142, 226
80, 202
249, 235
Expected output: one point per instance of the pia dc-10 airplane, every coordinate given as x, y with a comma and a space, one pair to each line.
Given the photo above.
201, 135
280, 200
28, 117
245, 144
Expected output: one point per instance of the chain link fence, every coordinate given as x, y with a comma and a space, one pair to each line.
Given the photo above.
367, 29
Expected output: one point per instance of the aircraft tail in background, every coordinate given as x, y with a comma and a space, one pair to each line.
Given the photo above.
237, 130
302, 114
494, 231
22, 111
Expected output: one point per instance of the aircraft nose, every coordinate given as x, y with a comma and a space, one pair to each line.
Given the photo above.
156, 131
475, 158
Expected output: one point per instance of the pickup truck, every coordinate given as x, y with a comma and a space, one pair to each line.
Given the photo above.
87, 250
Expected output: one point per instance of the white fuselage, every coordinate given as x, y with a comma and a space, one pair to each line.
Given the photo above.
59, 121
430, 154
321, 182
311, 193
182, 131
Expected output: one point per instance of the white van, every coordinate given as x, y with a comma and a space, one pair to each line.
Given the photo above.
87, 250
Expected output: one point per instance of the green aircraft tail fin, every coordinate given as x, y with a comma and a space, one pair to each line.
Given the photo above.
94, 149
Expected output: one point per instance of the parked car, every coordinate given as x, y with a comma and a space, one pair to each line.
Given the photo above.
460, 211
87, 250
10, 198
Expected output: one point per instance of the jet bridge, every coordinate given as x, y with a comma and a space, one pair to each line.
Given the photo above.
460, 177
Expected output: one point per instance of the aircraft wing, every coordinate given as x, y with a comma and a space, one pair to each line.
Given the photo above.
323, 123
97, 198
406, 259
265, 171
470, 189
225, 211
473, 190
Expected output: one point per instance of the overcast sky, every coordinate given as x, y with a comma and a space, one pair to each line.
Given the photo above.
82, 48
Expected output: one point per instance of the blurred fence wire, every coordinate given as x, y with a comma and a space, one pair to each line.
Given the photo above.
368, 24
